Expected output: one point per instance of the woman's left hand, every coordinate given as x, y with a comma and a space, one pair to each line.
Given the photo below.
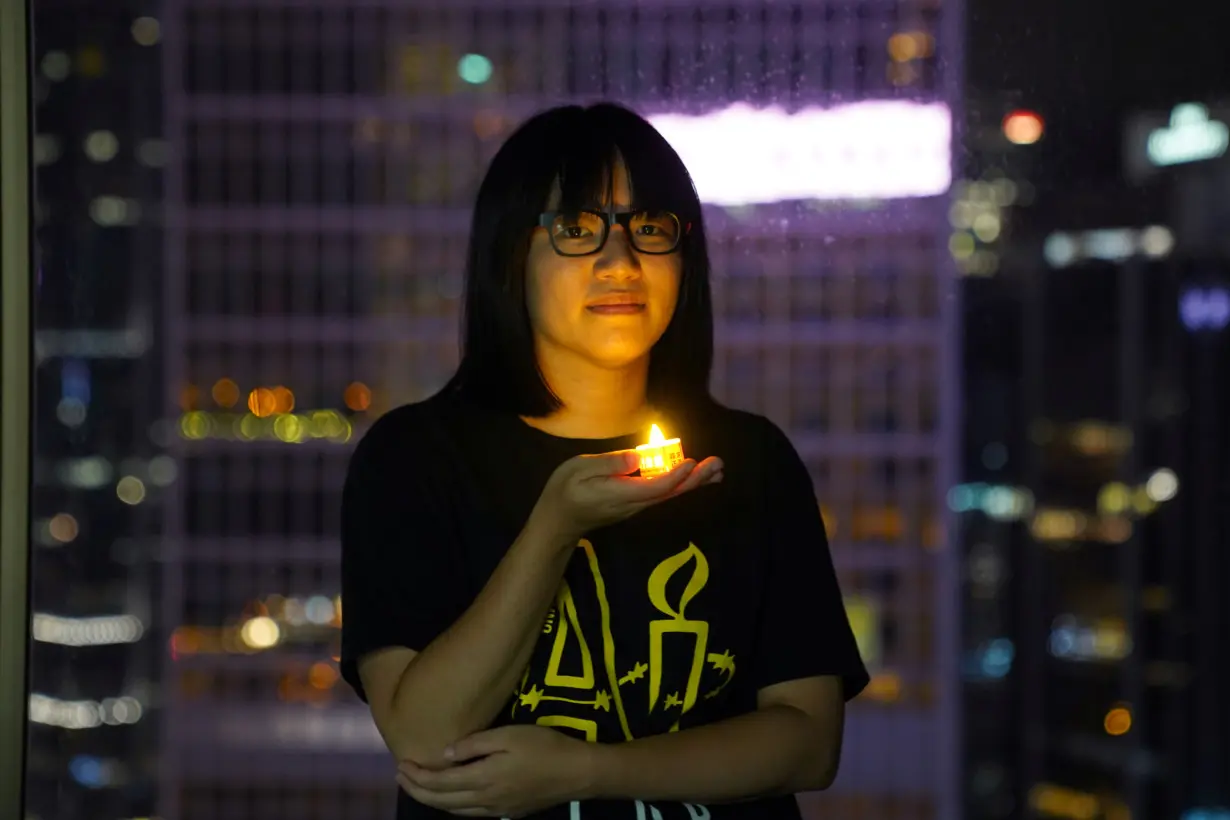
511, 771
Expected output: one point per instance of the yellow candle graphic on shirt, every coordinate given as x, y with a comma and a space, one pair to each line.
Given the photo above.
677, 622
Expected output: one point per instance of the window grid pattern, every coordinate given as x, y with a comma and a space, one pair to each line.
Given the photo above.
328, 156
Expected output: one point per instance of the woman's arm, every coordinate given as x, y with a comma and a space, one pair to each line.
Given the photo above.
422, 702
791, 743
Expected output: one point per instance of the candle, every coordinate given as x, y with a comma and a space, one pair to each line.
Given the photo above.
660, 455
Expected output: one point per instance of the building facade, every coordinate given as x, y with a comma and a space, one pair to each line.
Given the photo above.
316, 213
98, 460
1093, 513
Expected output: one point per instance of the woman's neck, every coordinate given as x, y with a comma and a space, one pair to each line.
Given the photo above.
597, 402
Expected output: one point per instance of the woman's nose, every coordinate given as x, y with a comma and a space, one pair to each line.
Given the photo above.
617, 258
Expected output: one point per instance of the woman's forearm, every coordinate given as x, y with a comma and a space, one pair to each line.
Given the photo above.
776, 750
458, 683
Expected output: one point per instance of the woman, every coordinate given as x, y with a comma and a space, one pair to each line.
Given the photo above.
539, 630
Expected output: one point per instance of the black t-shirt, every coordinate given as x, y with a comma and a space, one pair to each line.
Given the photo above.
672, 618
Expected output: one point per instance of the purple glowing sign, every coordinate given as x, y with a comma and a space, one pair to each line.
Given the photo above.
1205, 308
868, 150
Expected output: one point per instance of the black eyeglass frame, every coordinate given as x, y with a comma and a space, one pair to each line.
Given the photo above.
623, 218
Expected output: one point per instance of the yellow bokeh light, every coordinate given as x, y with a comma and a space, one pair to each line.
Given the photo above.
330, 424
146, 31
186, 640
1023, 127
1058, 524
829, 519
987, 227
63, 527
263, 423
864, 620
262, 402
961, 245
130, 490
249, 427
1115, 497
195, 425
260, 633
1057, 801
910, 45
1118, 721
884, 687
289, 428
358, 397
961, 215
225, 393
322, 675
283, 400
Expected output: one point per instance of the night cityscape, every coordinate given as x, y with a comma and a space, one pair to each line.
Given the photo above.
973, 257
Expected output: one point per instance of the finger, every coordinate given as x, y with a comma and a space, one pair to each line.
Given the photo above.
650, 489
479, 744
699, 476
446, 801
690, 483
620, 462
703, 474
466, 777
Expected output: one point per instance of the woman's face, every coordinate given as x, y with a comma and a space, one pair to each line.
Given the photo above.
608, 308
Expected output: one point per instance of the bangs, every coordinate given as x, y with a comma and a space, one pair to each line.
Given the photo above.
585, 172
657, 178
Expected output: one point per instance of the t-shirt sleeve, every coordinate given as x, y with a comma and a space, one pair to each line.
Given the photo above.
803, 627
402, 579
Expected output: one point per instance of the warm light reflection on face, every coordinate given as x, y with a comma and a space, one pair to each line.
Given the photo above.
561, 290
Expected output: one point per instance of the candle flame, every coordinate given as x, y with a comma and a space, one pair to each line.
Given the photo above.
655, 435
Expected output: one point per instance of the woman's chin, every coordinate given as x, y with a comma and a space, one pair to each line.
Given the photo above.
619, 358
619, 349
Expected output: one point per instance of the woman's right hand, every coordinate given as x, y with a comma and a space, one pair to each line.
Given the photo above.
588, 492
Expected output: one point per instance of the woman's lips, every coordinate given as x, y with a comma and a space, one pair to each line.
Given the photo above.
616, 310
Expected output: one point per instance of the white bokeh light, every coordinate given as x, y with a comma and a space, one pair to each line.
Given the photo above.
867, 150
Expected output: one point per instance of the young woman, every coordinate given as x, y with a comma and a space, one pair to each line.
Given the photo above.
538, 629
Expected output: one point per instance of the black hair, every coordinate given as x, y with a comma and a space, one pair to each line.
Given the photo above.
576, 146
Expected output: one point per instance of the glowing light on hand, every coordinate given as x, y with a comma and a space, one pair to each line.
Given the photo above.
660, 455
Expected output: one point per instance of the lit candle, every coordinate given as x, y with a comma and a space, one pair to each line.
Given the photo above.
660, 455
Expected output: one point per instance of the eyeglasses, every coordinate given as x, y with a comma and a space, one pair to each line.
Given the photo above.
581, 233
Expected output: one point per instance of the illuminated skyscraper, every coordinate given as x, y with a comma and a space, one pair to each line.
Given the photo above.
1091, 516
317, 212
1116, 617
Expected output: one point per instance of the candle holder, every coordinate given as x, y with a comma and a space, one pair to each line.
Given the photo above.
660, 455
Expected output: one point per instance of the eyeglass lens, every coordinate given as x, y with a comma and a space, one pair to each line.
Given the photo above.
584, 232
